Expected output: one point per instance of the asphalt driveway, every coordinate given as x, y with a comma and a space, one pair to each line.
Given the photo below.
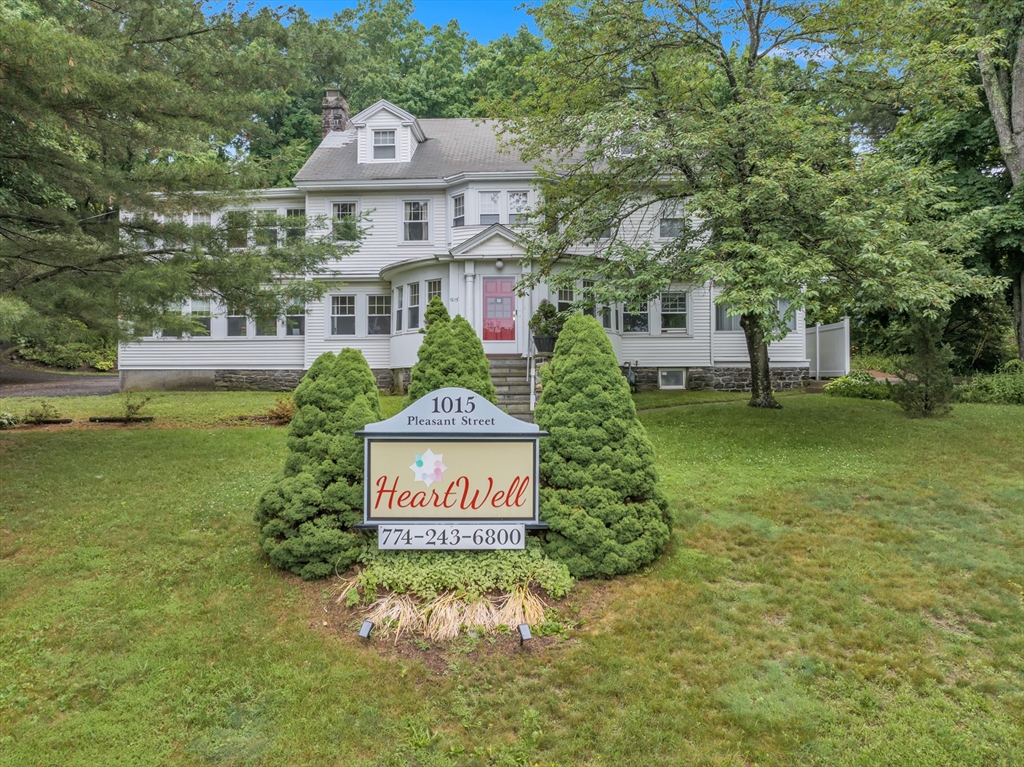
21, 381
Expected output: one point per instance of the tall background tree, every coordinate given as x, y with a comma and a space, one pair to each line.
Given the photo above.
116, 120
732, 115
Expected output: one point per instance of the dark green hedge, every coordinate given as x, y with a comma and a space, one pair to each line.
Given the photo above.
306, 515
599, 490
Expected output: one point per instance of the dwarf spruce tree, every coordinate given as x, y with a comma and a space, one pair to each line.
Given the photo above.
599, 491
306, 515
450, 355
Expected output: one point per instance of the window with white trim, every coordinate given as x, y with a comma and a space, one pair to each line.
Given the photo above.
237, 323
673, 311
588, 295
636, 319
378, 315
565, 298
414, 305
384, 145
416, 222
783, 306
490, 208
459, 210
726, 322
201, 219
671, 224
398, 308
433, 289
296, 225
266, 228
343, 315
295, 320
671, 378
201, 314
266, 326
236, 227
518, 203
345, 221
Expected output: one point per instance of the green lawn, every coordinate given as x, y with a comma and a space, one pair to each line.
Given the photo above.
179, 409
844, 587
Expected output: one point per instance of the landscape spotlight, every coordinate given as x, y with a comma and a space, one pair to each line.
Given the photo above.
365, 629
524, 633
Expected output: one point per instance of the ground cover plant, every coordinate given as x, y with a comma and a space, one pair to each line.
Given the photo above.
843, 588
1005, 387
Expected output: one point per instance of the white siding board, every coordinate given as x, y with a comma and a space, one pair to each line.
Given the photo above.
213, 354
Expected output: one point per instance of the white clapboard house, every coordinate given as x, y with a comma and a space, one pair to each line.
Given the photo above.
440, 204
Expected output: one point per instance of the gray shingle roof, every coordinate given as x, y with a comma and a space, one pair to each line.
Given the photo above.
453, 146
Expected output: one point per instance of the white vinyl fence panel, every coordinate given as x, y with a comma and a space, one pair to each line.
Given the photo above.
828, 349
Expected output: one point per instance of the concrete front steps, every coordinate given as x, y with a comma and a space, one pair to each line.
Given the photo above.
511, 377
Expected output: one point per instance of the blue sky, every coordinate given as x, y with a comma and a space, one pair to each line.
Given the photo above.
483, 19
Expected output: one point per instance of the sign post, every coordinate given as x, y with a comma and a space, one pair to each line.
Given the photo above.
451, 472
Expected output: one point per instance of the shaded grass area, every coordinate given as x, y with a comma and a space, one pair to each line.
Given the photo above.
178, 409
650, 400
844, 587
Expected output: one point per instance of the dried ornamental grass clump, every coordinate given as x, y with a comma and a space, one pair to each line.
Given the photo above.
599, 491
306, 515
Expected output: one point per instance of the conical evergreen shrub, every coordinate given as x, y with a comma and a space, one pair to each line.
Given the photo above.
305, 517
599, 491
450, 355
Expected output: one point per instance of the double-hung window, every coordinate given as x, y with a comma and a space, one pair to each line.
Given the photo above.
588, 296
459, 210
296, 224
671, 224
237, 323
201, 316
236, 225
433, 289
517, 206
417, 221
346, 226
383, 145
725, 321
266, 227
200, 219
783, 308
378, 315
414, 305
295, 320
565, 298
398, 308
490, 208
635, 319
266, 326
343, 315
673, 311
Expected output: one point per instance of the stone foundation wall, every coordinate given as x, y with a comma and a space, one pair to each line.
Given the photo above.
724, 378
257, 380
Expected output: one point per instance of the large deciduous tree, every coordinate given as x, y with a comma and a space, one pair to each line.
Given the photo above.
727, 120
111, 117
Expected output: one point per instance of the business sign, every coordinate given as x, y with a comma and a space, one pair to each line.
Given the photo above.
451, 471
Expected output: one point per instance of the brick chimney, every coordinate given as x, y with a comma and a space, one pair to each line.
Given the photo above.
335, 110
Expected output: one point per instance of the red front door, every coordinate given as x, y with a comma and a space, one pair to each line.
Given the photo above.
499, 324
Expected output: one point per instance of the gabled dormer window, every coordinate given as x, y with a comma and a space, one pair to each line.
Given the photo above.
384, 145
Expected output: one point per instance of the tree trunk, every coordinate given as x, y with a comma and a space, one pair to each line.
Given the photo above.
760, 374
1018, 311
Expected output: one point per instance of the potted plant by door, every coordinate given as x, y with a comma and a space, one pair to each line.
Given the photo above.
546, 324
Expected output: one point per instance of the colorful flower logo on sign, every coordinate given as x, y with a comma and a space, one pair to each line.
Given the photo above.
428, 468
